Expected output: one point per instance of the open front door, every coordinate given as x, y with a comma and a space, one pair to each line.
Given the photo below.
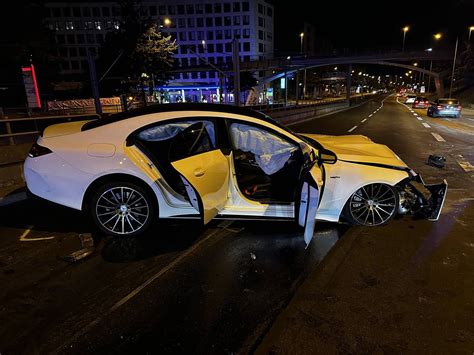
307, 206
203, 168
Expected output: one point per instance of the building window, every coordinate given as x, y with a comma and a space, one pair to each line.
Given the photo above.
227, 21
95, 12
236, 6
227, 7
86, 11
200, 22
84, 64
66, 11
199, 8
192, 36
246, 33
71, 39
56, 11
246, 46
260, 35
219, 34
76, 11
194, 75
182, 36
116, 11
208, 8
116, 25
98, 25
246, 58
237, 33
218, 21
236, 20
182, 23
162, 10
228, 47
60, 39
245, 6
219, 48
63, 52
210, 48
82, 52
191, 22
99, 38
200, 35
269, 36
217, 8
73, 52
261, 47
190, 9
152, 10
69, 25
171, 10
269, 11
180, 9
209, 22
90, 38
192, 61
58, 26
80, 38
260, 9
228, 34
245, 20
65, 66
106, 11
210, 35
261, 22
88, 25
212, 75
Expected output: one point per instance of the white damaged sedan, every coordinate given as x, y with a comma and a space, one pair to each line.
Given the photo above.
215, 161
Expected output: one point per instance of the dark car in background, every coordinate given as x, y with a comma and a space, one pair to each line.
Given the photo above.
444, 107
421, 102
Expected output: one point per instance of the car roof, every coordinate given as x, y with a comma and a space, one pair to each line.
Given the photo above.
160, 108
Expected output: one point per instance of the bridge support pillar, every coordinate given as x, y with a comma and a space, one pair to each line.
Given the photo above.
348, 83
439, 87
297, 86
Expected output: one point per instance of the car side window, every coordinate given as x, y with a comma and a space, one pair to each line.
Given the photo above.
192, 140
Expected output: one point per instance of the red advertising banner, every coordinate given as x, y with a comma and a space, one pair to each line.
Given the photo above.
31, 87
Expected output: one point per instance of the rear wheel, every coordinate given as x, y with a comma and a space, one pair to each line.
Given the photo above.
372, 205
122, 209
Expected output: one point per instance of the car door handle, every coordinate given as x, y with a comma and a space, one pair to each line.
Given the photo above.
199, 172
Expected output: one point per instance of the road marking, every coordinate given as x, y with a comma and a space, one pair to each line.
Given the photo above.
365, 119
426, 125
353, 128
27, 231
419, 118
371, 115
438, 137
223, 226
467, 167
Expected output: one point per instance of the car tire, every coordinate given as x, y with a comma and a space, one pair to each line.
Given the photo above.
372, 205
122, 209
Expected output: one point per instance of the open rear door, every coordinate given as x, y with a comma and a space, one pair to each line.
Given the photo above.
307, 206
203, 168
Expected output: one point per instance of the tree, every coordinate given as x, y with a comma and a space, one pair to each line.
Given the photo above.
247, 81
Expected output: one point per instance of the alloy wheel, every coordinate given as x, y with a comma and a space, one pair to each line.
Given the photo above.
373, 204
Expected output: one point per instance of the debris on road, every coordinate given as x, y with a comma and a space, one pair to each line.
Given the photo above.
88, 248
253, 256
436, 160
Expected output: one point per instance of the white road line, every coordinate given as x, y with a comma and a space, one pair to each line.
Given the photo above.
136, 291
426, 125
353, 128
371, 115
438, 137
419, 119
465, 165
365, 119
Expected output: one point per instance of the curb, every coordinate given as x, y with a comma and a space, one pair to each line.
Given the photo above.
13, 198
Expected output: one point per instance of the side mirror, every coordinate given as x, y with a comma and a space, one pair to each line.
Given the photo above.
326, 156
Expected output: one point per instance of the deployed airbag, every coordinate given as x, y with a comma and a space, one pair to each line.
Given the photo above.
170, 130
271, 152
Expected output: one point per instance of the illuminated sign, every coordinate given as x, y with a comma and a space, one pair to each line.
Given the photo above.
282, 83
31, 87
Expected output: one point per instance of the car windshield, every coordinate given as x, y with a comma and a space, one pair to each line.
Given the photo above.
448, 102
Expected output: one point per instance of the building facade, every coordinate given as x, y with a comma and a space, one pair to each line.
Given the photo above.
203, 30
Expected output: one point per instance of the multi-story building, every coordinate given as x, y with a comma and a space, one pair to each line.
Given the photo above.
203, 29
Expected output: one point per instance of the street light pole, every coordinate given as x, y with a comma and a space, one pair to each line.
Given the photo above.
301, 46
405, 30
454, 65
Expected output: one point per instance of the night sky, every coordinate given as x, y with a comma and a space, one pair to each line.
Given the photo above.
363, 24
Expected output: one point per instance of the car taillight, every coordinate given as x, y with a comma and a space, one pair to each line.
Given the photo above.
439, 107
416, 102
38, 150
459, 108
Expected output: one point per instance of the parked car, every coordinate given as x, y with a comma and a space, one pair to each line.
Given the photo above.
420, 102
206, 161
445, 107
410, 98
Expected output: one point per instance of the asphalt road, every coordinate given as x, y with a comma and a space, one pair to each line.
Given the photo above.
188, 289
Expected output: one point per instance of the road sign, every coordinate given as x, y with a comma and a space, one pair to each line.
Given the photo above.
31, 87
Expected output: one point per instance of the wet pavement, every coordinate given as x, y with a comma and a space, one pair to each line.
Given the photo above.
224, 288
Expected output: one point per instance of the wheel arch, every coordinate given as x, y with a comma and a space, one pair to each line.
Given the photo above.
117, 177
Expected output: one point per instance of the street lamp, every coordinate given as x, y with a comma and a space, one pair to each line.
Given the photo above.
301, 47
437, 36
454, 64
167, 21
470, 30
405, 30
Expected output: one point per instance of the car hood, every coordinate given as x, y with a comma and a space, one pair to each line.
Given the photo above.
62, 129
358, 148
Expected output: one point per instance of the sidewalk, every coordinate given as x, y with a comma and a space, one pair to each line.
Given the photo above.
403, 289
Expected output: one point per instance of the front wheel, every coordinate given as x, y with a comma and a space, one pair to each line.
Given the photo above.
372, 205
122, 209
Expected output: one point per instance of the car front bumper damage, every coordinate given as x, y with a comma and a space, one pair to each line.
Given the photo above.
422, 200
